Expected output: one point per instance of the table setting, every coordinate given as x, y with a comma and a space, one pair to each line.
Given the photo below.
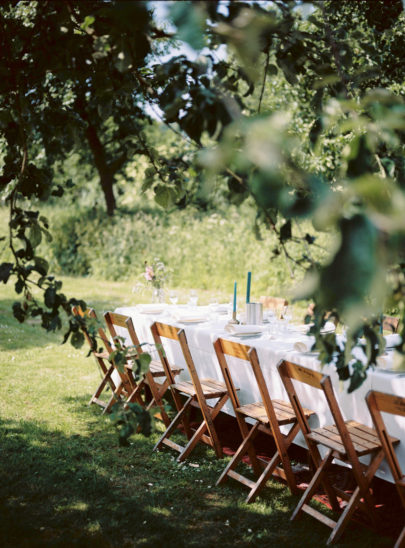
275, 337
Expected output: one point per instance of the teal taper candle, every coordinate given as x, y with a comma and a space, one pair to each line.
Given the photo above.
249, 279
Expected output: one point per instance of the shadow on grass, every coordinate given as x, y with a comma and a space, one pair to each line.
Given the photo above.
29, 334
83, 490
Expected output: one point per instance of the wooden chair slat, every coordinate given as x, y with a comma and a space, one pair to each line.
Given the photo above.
199, 392
255, 411
327, 439
347, 440
362, 446
305, 375
167, 331
234, 349
387, 403
269, 416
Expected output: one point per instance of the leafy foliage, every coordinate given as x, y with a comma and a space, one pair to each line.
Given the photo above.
335, 157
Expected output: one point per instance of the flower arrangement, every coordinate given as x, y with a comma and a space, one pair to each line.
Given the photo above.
156, 273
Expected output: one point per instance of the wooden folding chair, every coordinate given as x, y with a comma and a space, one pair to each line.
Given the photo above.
278, 304
197, 392
149, 379
345, 441
127, 382
378, 403
101, 356
268, 414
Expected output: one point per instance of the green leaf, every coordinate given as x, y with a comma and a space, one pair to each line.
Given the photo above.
285, 231
272, 70
189, 19
5, 271
19, 286
88, 21
144, 361
41, 266
165, 196
50, 297
348, 279
357, 378
35, 235
77, 339
18, 312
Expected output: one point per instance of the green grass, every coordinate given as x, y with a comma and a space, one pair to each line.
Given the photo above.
64, 481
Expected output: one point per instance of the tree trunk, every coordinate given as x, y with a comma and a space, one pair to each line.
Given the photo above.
104, 171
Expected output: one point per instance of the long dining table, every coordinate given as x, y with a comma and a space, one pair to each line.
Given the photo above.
272, 346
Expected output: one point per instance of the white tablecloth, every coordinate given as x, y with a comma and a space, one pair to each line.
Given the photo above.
201, 337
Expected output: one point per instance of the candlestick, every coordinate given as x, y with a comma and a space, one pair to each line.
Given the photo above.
249, 279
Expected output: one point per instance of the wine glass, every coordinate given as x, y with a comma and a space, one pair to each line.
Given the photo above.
193, 298
173, 297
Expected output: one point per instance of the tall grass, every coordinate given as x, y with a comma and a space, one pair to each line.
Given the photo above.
201, 250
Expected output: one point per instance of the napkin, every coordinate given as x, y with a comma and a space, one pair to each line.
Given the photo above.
246, 329
329, 327
191, 316
305, 345
301, 346
392, 340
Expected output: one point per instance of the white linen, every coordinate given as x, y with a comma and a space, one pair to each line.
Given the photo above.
244, 329
201, 337
392, 340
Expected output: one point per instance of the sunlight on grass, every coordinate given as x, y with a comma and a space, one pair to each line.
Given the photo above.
61, 462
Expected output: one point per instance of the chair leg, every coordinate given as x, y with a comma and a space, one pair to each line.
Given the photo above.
157, 393
173, 424
192, 442
207, 424
310, 490
135, 395
114, 398
355, 499
242, 450
107, 379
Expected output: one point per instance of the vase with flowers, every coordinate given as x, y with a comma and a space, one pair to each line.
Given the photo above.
155, 275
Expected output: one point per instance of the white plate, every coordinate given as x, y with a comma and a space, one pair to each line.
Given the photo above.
247, 335
191, 320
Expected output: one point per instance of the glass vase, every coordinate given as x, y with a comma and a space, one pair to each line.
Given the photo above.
158, 295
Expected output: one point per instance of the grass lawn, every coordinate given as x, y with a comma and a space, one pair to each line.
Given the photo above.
64, 481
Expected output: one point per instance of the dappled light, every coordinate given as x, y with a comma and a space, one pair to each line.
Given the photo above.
202, 274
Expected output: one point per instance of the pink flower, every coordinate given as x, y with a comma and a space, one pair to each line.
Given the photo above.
149, 274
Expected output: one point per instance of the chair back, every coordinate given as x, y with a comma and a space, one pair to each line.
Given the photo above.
167, 331
379, 402
249, 355
277, 304
91, 313
126, 325
290, 371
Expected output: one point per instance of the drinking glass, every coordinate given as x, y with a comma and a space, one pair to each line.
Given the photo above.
173, 297
193, 298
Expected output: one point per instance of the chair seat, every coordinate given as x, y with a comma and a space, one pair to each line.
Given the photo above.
156, 368
211, 388
284, 412
364, 438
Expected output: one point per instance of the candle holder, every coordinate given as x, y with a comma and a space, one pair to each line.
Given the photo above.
233, 320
